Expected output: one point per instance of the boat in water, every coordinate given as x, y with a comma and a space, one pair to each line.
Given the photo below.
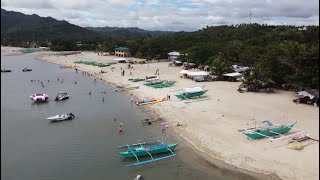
26, 69
149, 148
62, 117
62, 96
39, 97
268, 131
5, 70
121, 89
189, 93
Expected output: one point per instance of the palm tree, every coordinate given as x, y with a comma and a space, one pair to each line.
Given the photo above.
219, 66
256, 78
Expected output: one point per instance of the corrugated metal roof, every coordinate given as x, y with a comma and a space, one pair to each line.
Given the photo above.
121, 48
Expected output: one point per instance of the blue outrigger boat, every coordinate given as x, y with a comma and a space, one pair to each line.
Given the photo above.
148, 149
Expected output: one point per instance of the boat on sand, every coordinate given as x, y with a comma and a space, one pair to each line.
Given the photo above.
268, 131
121, 89
189, 93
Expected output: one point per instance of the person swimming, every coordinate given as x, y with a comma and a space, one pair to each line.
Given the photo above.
120, 130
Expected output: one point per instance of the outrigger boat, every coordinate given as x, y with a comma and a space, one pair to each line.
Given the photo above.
121, 89
163, 84
148, 149
261, 132
153, 82
136, 80
189, 93
152, 101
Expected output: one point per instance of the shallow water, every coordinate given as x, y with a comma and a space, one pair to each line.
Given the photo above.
84, 148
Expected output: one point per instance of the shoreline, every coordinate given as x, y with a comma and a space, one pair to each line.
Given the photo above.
197, 140
213, 161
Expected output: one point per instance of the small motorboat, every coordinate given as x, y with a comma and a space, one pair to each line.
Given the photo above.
26, 70
5, 70
62, 96
138, 177
62, 117
39, 97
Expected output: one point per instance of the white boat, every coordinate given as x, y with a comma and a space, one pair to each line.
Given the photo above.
61, 117
61, 96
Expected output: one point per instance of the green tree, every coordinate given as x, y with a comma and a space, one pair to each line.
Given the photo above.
219, 66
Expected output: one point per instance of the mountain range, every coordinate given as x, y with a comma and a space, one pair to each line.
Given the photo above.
16, 26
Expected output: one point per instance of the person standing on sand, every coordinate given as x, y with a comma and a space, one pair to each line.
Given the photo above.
169, 96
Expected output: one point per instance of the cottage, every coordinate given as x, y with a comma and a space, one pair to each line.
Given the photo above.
121, 52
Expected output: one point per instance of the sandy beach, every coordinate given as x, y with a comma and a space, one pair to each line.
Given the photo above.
212, 125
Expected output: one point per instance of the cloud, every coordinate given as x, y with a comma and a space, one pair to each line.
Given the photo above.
173, 15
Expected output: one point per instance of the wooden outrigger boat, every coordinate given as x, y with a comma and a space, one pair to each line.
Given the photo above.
189, 93
152, 101
148, 149
261, 132
136, 80
153, 82
163, 84
121, 89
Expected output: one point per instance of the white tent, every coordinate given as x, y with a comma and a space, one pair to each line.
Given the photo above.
305, 93
184, 72
235, 74
120, 59
197, 73
173, 53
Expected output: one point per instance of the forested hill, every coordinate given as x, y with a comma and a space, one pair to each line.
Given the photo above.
280, 54
130, 32
16, 26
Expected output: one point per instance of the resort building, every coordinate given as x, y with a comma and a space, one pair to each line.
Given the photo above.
121, 52
173, 55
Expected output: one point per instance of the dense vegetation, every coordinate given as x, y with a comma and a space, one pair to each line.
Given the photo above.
276, 55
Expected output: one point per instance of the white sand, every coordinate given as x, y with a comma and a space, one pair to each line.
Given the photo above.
212, 126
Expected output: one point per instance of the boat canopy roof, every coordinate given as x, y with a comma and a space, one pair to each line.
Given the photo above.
184, 71
234, 74
193, 89
197, 73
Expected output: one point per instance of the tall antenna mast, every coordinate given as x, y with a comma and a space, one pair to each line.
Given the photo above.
250, 16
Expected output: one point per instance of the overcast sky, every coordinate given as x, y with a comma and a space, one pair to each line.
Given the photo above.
172, 15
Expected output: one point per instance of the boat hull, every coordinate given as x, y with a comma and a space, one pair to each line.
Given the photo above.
186, 95
153, 149
163, 85
263, 132
150, 101
126, 89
